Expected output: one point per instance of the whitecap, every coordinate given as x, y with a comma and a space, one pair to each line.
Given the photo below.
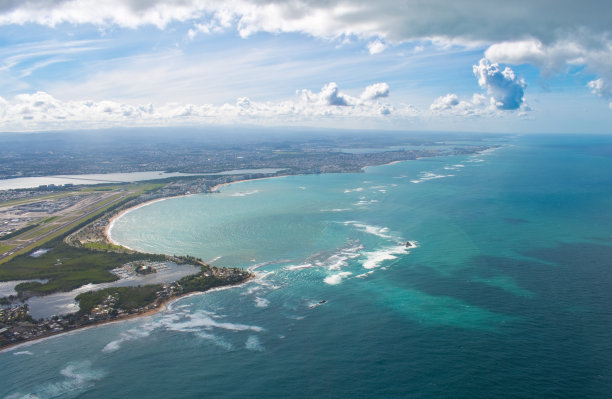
202, 320
374, 259
23, 353
370, 229
244, 193
215, 339
353, 190
252, 343
78, 377
262, 302
365, 202
300, 267
337, 278
364, 275
425, 176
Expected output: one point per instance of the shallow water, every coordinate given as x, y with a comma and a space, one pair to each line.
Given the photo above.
506, 294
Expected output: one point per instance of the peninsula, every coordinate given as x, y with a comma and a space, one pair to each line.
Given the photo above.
54, 239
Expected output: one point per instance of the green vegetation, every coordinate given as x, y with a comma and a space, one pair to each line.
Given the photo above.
76, 267
41, 197
5, 248
19, 232
103, 246
201, 281
127, 298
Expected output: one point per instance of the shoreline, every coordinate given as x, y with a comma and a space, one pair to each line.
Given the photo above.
163, 306
115, 217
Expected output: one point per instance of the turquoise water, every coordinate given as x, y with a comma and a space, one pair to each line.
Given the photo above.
506, 294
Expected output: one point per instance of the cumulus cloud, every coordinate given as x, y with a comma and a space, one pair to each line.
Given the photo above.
515, 32
601, 88
330, 95
41, 110
376, 47
581, 49
377, 90
505, 89
445, 102
477, 105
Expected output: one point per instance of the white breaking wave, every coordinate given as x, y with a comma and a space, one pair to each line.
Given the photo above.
336, 210
244, 193
261, 302
340, 259
252, 343
200, 322
365, 202
337, 278
375, 259
425, 176
370, 229
300, 267
353, 190
215, 340
78, 377
23, 353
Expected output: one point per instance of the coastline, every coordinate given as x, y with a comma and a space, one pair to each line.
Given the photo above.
163, 306
166, 303
117, 216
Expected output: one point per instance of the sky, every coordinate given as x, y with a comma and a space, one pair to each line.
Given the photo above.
526, 66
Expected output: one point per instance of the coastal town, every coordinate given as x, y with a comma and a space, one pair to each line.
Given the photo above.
16, 325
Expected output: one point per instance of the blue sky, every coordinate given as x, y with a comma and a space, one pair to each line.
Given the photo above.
529, 66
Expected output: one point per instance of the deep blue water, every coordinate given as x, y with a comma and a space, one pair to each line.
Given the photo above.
508, 293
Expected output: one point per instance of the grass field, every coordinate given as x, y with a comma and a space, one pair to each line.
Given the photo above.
66, 267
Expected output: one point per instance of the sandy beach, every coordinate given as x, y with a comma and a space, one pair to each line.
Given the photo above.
163, 306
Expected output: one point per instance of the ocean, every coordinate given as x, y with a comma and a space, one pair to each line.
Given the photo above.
504, 291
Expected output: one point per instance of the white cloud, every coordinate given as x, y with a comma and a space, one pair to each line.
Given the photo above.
376, 47
478, 105
406, 20
600, 88
41, 111
445, 102
375, 91
329, 95
473, 21
505, 89
592, 52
